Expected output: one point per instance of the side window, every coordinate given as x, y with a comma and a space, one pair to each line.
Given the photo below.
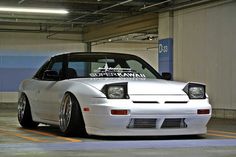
56, 66
77, 69
39, 73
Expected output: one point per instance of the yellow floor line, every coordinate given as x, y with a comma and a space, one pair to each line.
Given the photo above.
29, 138
222, 132
22, 136
52, 135
220, 135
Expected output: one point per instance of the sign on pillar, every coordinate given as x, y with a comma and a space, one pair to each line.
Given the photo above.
165, 55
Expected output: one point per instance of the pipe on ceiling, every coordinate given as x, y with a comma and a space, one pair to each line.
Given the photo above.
21, 1
95, 12
103, 9
153, 5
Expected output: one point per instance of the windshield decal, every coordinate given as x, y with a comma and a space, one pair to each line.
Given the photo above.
116, 72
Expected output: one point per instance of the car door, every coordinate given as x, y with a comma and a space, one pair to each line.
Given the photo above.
49, 93
33, 89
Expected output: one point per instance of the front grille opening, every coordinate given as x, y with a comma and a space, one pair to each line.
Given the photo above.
142, 123
174, 123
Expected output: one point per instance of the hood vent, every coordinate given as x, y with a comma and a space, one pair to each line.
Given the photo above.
146, 102
176, 102
156, 102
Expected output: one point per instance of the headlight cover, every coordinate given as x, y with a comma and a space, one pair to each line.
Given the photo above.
195, 91
116, 91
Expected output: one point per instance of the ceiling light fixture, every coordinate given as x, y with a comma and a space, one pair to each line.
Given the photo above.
150, 38
33, 10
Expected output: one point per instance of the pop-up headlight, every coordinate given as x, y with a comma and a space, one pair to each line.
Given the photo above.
116, 91
195, 91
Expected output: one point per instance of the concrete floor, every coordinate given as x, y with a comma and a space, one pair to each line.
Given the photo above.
220, 141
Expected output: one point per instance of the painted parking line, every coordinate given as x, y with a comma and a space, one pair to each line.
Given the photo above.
52, 135
32, 139
224, 134
112, 145
220, 135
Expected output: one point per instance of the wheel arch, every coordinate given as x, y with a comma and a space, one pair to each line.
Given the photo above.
27, 97
81, 103
25, 118
73, 94
84, 94
77, 99
29, 101
80, 112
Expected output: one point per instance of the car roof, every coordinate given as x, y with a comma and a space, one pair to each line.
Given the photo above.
94, 54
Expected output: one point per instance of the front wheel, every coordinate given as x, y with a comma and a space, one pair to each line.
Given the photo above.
71, 121
24, 113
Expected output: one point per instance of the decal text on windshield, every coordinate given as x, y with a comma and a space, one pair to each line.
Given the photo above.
116, 72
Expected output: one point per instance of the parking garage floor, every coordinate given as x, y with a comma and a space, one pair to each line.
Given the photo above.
220, 141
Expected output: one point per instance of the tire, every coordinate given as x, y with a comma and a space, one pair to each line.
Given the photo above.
24, 113
71, 121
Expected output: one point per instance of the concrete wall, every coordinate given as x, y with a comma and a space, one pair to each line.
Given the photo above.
21, 54
147, 51
205, 51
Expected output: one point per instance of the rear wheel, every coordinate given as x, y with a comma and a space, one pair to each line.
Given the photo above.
24, 113
71, 121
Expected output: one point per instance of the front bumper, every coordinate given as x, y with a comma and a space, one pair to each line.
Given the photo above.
100, 121
117, 126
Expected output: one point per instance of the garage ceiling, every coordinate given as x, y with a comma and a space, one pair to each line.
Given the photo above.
81, 13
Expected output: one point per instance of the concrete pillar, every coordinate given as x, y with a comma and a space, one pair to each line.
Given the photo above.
165, 43
88, 47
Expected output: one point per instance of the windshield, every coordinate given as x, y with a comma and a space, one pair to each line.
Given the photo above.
111, 66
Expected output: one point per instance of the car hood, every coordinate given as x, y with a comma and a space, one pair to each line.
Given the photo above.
139, 86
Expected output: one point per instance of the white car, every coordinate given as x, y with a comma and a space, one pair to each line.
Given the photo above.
113, 95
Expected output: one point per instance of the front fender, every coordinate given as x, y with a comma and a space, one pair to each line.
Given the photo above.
85, 93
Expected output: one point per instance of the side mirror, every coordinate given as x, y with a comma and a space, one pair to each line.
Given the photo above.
50, 75
167, 76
